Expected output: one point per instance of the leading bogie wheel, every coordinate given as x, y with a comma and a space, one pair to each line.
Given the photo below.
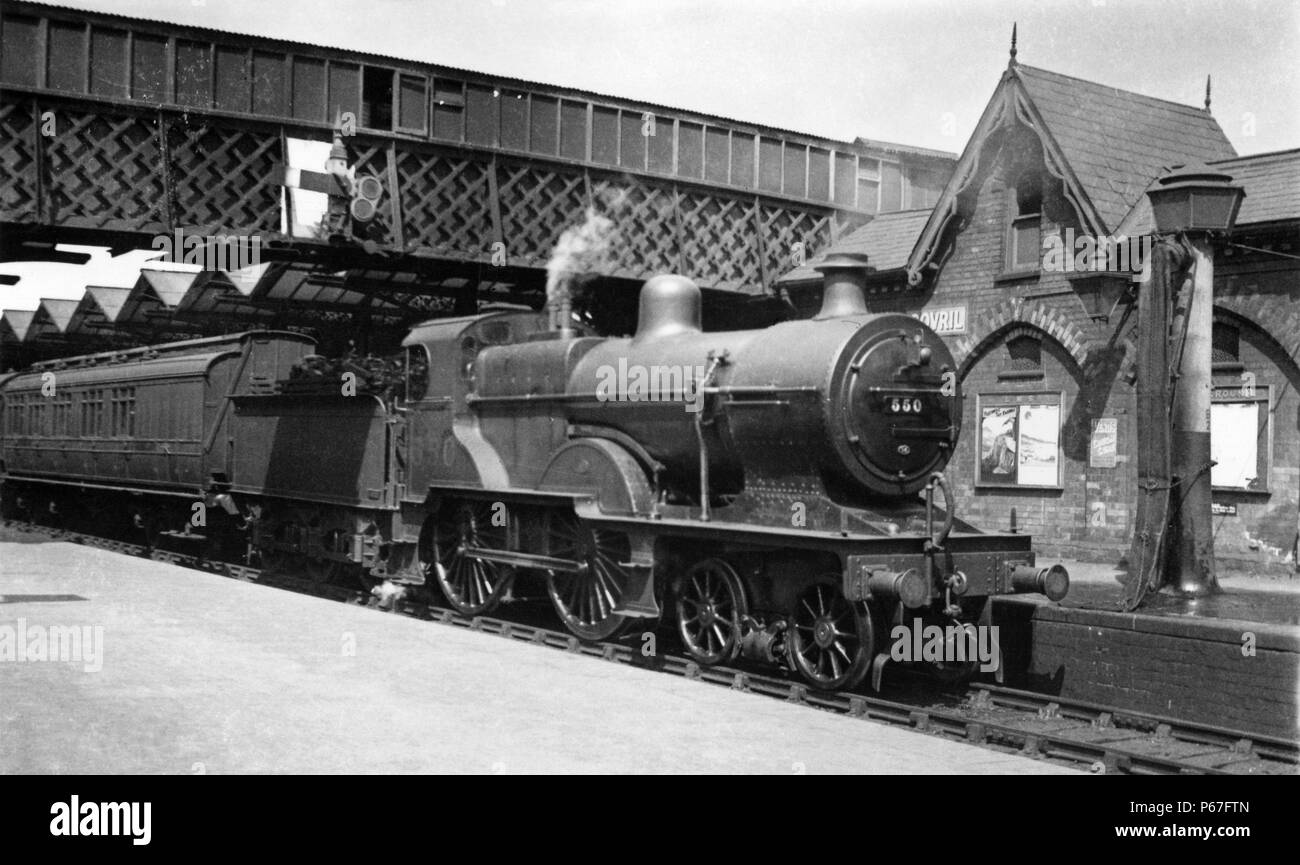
711, 605
831, 638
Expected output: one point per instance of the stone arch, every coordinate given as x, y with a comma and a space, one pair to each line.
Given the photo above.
1093, 376
992, 325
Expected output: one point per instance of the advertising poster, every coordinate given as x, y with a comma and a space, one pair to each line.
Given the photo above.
1039, 445
998, 444
1105, 443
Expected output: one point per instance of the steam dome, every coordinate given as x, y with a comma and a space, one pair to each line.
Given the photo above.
670, 304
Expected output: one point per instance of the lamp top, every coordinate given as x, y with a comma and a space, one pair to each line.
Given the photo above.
1195, 197
843, 261
1192, 174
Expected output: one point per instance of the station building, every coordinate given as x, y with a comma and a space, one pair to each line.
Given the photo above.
1045, 340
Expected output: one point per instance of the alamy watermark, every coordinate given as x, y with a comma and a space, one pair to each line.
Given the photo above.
1067, 252
212, 252
634, 382
69, 644
953, 644
124, 819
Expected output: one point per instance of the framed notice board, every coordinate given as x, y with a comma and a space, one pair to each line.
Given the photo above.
1018, 440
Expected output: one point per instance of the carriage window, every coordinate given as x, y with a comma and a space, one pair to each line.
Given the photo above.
122, 412
36, 424
92, 413
62, 407
15, 405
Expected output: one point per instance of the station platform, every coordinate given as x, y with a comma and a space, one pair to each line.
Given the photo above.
202, 674
1230, 660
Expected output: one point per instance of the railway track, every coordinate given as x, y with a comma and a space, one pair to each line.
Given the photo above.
1100, 739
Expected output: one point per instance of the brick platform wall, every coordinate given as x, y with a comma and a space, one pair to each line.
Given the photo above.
1187, 669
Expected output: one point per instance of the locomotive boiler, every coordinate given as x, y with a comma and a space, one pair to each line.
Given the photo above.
775, 493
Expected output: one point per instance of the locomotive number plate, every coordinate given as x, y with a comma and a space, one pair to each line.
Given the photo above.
903, 404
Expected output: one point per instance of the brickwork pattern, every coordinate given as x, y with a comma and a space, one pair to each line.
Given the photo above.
1192, 679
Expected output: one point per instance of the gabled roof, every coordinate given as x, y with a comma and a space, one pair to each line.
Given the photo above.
109, 299
1105, 145
15, 323
1117, 141
886, 240
58, 311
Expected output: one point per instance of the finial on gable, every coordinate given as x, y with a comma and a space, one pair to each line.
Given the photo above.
1207, 92
1012, 62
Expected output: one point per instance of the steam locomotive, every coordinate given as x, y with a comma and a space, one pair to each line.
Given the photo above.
776, 493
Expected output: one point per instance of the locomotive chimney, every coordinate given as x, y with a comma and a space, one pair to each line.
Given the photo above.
844, 280
670, 304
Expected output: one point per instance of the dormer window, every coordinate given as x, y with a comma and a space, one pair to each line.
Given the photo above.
1024, 243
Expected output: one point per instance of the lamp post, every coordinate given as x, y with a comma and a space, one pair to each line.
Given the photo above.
1189, 205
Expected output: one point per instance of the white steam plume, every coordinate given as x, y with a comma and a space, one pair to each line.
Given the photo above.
581, 249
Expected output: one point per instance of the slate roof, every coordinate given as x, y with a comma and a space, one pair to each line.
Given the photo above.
1272, 182
1117, 141
887, 240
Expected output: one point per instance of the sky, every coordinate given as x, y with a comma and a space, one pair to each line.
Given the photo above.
916, 72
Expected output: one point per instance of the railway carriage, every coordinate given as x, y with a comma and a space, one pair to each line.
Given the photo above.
151, 423
776, 493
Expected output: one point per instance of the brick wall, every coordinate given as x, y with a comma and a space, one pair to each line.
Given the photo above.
1191, 669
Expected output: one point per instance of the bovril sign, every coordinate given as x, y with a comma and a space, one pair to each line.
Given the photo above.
944, 319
